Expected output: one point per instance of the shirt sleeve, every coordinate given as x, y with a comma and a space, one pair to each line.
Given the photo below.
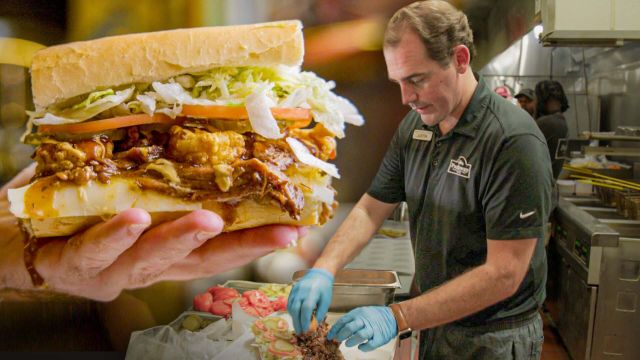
517, 201
388, 184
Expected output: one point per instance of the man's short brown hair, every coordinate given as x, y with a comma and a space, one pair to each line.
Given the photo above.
440, 26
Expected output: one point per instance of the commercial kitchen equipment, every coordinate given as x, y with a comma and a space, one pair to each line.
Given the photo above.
598, 313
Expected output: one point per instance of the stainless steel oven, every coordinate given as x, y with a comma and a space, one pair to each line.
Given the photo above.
598, 278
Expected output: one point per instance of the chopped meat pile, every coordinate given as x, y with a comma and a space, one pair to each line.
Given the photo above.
314, 345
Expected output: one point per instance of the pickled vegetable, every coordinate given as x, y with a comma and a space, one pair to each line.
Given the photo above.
192, 323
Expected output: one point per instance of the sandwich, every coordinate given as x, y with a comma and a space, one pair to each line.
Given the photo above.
275, 340
218, 118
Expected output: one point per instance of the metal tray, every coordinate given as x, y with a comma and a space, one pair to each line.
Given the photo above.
243, 285
355, 287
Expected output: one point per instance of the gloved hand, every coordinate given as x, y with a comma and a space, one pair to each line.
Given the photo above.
369, 326
312, 292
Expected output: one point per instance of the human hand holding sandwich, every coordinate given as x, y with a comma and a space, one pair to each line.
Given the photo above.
218, 131
125, 252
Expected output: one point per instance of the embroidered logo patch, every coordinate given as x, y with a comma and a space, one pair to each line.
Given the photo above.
524, 216
460, 167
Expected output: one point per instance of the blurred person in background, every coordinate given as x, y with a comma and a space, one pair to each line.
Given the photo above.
127, 252
552, 103
527, 101
478, 206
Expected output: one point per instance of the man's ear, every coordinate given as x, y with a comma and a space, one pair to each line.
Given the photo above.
461, 58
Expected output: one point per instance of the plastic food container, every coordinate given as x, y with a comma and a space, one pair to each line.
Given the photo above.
354, 288
206, 318
243, 285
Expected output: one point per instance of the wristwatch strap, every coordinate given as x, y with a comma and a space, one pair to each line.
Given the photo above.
404, 331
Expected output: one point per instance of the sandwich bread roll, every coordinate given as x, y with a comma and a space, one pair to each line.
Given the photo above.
147, 57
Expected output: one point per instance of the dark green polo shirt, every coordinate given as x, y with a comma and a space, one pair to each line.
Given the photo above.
488, 178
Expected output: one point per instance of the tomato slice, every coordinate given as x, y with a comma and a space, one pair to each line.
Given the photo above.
293, 118
107, 124
219, 308
297, 116
223, 293
257, 298
202, 302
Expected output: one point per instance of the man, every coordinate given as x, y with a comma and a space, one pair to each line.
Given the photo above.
552, 103
527, 101
475, 173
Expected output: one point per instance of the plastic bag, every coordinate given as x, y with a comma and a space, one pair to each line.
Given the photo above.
165, 343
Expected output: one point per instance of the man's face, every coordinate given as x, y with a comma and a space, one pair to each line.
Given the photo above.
527, 104
428, 88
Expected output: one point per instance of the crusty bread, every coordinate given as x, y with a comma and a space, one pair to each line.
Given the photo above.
69, 208
65, 71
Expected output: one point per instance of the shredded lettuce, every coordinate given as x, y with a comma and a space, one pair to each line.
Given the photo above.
349, 111
95, 103
298, 98
175, 94
147, 104
304, 156
186, 81
93, 97
172, 112
279, 86
258, 106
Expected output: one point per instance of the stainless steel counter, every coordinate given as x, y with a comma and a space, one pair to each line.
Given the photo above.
385, 252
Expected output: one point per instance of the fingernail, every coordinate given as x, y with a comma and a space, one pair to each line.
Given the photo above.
205, 235
137, 229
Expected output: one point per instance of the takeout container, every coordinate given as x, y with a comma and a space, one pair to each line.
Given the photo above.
354, 288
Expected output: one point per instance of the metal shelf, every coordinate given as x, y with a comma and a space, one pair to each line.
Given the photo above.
588, 135
614, 151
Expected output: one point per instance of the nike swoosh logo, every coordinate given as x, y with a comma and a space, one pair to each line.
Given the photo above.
524, 216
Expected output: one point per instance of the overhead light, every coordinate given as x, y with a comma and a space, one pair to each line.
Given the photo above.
537, 30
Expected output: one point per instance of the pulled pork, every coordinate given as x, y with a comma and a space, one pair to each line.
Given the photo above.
314, 345
223, 166
250, 178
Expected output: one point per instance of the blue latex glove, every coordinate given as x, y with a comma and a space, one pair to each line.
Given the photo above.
369, 326
312, 292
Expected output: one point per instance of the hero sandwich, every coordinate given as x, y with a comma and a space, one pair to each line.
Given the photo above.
219, 118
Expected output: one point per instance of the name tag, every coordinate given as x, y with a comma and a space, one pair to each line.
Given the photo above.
423, 135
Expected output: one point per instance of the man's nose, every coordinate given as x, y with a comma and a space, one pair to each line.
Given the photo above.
408, 94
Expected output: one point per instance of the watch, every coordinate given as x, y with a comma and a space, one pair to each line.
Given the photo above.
404, 331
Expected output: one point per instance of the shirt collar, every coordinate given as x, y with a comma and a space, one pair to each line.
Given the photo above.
467, 124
